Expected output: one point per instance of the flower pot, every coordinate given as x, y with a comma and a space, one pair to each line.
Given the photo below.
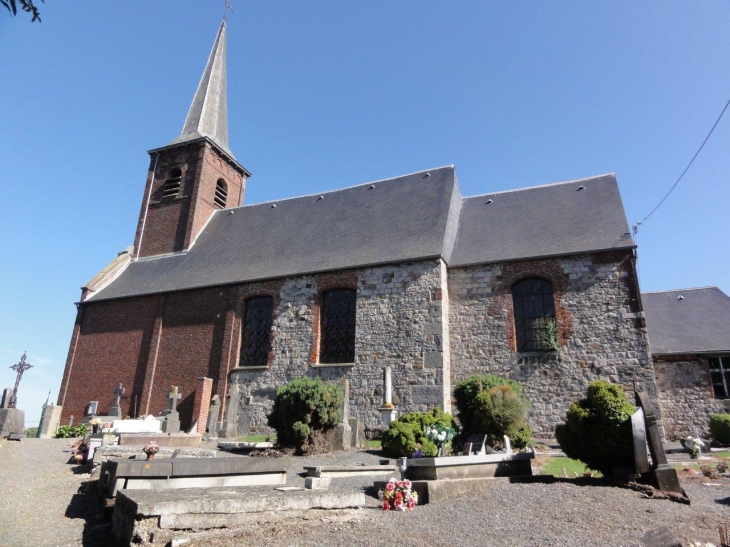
150, 456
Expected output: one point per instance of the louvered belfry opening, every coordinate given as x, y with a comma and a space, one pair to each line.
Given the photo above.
221, 193
534, 310
256, 331
171, 188
337, 323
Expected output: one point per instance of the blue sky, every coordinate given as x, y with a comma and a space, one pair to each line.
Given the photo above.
326, 94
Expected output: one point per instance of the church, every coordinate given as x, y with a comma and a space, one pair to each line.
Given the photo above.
537, 284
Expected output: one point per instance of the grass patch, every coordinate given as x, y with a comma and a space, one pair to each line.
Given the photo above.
375, 443
257, 438
725, 454
554, 465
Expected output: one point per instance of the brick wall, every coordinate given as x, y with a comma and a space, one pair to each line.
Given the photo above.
599, 335
686, 395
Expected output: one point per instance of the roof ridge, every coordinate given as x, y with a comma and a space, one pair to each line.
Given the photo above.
317, 194
542, 185
680, 290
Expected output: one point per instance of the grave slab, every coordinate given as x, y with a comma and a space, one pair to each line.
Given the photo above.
181, 440
349, 470
464, 467
144, 512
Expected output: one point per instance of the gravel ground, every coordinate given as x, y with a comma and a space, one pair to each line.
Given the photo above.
40, 507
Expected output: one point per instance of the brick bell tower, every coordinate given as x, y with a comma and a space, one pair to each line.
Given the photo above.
196, 174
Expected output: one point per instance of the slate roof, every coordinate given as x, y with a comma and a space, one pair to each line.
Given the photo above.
698, 322
412, 217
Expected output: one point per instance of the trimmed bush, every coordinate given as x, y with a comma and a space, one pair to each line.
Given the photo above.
305, 411
720, 428
597, 429
70, 431
401, 437
495, 406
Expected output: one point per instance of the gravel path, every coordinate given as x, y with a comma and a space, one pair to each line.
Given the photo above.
40, 506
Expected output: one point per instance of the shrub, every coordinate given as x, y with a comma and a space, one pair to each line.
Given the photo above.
401, 437
305, 411
499, 412
67, 431
31, 432
720, 428
465, 394
597, 429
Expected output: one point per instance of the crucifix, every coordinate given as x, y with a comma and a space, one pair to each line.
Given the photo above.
116, 409
20, 368
173, 396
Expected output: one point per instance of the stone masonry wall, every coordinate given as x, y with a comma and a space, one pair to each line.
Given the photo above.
602, 337
399, 323
686, 395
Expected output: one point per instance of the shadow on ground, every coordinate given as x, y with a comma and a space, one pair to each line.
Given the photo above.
84, 505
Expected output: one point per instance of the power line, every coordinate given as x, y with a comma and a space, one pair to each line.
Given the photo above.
635, 227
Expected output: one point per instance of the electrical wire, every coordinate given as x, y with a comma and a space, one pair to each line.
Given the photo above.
636, 226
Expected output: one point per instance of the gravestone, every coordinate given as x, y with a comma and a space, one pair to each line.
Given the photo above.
666, 476
638, 430
474, 445
387, 411
211, 428
170, 417
116, 410
7, 395
343, 433
51, 421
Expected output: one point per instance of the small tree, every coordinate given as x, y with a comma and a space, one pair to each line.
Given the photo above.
597, 429
401, 437
305, 412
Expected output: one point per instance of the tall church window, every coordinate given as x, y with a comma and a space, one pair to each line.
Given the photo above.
720, 375
221, 193
256, 331
171, 188
534, 314
337, 326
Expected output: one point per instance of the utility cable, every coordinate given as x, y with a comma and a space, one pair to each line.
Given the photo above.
635, 227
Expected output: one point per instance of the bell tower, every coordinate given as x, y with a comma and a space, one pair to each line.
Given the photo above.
194, 175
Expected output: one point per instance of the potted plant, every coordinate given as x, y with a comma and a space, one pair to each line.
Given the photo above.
95, 423
151, 448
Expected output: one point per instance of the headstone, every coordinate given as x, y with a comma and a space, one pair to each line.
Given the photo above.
358, 433
7, 395
211, 428
170, 417
12, 420
507, 445
93, 409
51, 421
342, 437
116, 409
474, 445
666, 476
638, 430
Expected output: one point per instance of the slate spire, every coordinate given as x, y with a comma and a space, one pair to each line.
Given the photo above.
208, 115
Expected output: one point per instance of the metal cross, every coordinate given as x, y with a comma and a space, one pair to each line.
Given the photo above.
20, 368
228, 7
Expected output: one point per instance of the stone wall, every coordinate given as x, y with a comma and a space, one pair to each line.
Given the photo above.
601, 333
686, 395
400, 323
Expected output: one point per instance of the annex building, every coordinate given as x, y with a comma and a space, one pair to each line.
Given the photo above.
537, 284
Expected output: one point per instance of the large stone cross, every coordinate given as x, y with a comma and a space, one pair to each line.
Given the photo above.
20, 368
116, 409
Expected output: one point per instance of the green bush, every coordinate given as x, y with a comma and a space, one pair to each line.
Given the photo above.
31, 432
305, 411
400, 439
597, 429
720, 428
67, 431
499, 412
465, 394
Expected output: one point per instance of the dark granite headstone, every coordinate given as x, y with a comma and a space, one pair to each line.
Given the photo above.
475, 445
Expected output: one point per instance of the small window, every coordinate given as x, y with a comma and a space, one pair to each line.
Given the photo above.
171, 188
534, 313
337, 326
720, 375
256, 331
221, 193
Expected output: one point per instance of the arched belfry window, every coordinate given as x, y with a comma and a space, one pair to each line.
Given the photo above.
171, 188
534, 313
337, 326
221, 193
256, 331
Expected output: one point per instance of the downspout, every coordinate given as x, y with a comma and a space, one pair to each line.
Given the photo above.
147, 205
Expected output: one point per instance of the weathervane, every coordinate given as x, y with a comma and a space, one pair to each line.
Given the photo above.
228, 7
20, 368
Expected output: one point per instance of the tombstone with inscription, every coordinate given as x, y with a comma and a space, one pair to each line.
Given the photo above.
116, 410
170, 418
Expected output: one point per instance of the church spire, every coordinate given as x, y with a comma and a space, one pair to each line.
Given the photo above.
208, 115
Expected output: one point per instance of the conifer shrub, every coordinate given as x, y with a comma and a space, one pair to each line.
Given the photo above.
494, 406
401, 437
597, 429
720, 428
305, 413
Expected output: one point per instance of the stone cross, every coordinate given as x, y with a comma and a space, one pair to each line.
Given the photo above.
116, 409
173, 397
387, 386
20, 368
